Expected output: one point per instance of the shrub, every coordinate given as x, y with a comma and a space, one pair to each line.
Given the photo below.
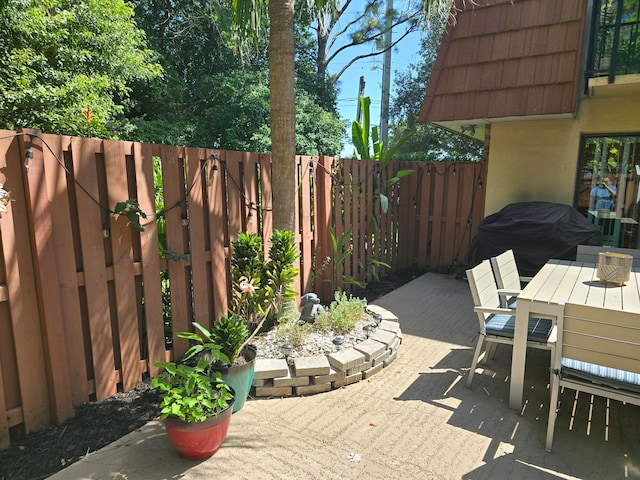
293, 332
342, 315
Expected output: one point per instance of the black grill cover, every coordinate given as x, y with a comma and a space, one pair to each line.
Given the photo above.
537, 232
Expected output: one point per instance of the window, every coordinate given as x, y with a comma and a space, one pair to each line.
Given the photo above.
608, 187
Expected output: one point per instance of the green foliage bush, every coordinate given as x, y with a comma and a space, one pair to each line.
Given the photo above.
342, 315
192, 394
229, 332
293, 332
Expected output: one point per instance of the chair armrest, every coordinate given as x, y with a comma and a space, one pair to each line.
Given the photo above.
553, 337
482, 309
506, 291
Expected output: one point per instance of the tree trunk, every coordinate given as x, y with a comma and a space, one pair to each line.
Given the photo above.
283, 113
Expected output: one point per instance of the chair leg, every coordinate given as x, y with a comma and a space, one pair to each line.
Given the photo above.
476, 355
553, 411
491, 350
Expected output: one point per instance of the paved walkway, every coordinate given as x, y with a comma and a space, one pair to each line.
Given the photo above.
413, 420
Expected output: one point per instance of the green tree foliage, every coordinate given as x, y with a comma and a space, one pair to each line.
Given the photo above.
194, 50
430, 142
363, 139
215, 92
68, 66
318, 132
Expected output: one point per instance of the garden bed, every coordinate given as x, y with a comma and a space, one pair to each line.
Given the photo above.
321, 363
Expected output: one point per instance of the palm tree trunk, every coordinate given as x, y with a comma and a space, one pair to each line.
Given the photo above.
283, 113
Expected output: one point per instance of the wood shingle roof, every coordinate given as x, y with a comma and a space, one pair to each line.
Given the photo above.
505, 58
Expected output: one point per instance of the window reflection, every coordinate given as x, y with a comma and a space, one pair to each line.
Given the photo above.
608, 190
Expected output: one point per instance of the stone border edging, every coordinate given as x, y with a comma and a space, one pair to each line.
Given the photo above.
308, 375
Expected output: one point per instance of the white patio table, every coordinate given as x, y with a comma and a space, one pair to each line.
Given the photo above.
559, 282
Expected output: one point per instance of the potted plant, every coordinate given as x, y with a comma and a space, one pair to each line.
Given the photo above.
235, 365
260, 288
196, 407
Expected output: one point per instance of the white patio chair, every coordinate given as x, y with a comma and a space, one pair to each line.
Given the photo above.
597, 352
497, 323
508, 278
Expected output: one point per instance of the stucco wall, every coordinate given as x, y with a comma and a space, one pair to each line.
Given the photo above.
538, 160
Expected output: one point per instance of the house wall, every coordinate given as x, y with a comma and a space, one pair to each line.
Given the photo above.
538, 160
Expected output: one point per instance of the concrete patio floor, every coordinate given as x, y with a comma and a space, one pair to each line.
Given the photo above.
413, 420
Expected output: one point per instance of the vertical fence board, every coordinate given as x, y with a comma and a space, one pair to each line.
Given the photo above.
66, 268
297, 227
405, 218
324, 203
23, 301
366, 225
402, 220
152, 294
267, 195
45, 270
450, 215
339, 217
384, 220
8, 151
356, 210
218, 234
175, 212
422, 205
5, 440
93, 257
124, 278
393, 219
297, 208
194, 164
236, 207
464, 204
437, 213
408, 199
309, 195
252, 223
349, 189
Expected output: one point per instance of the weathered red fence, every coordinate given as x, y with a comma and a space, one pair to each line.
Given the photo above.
81, 307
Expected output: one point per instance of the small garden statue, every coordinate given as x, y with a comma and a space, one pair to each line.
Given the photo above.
309, 308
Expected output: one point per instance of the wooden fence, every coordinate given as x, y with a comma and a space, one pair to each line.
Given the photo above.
81, 297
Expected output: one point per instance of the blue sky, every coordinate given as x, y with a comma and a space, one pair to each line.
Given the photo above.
404, 54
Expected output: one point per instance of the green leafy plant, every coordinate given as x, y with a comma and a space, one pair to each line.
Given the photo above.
248, 273
374, 265
363, 137
220, 344
342, 315
340, 252
131, 209
293, 332
191, 394
204, 346
262, 288
281, 272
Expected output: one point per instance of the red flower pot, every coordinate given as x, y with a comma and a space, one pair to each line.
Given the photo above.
197, 440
